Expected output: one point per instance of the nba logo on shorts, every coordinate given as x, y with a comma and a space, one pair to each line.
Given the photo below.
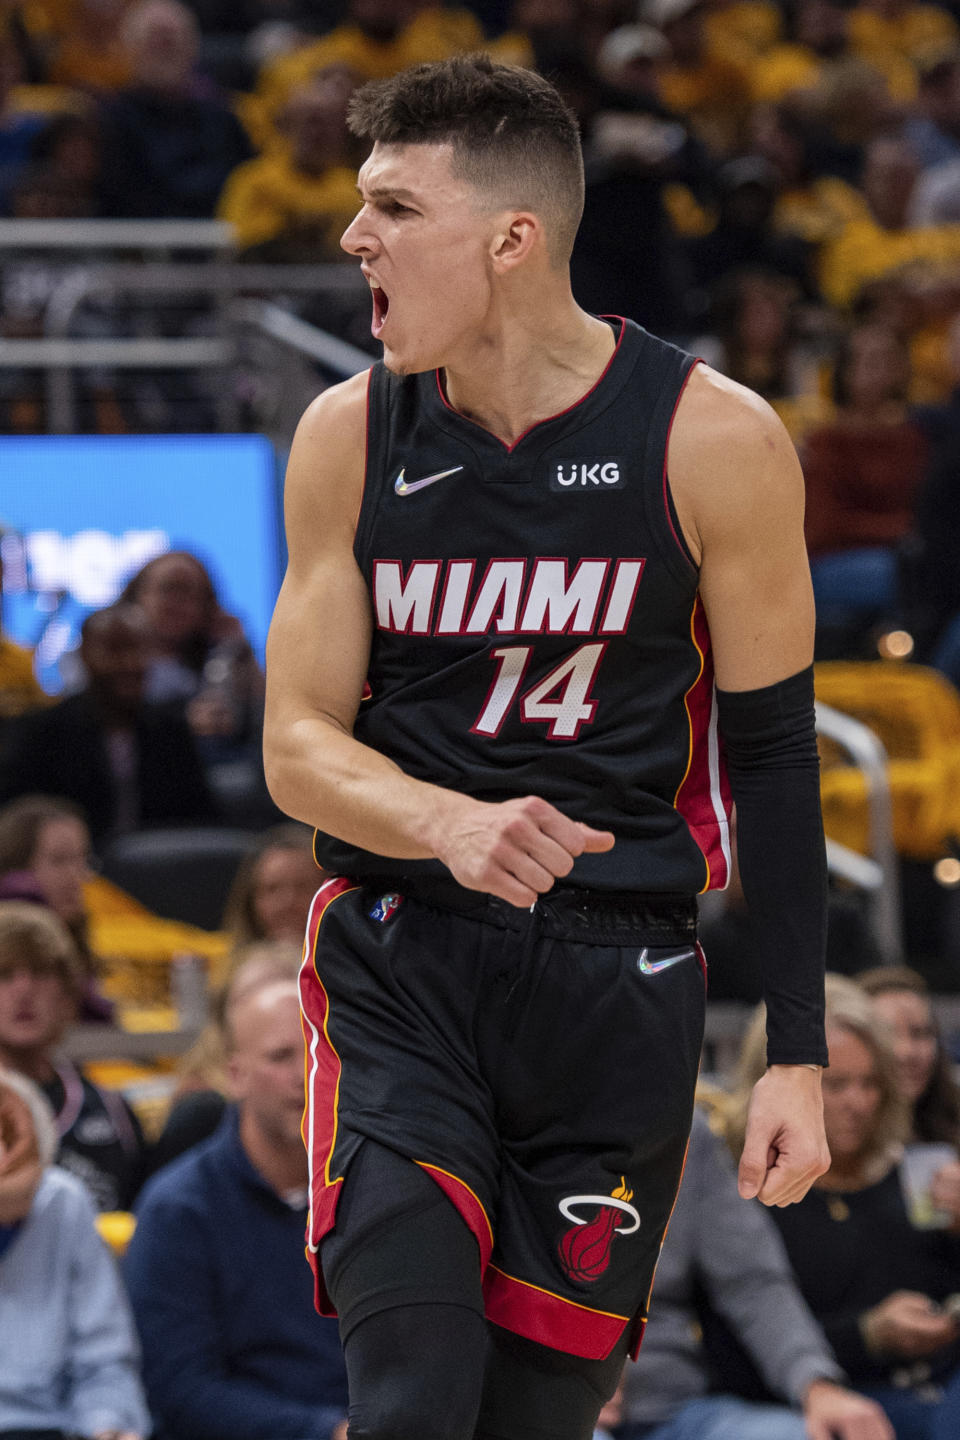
385, 907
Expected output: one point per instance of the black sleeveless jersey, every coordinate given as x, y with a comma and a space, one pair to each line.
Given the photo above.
537, 626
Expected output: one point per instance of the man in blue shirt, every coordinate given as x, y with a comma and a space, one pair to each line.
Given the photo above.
223, 1297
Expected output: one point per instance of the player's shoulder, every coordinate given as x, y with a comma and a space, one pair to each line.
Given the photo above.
714, 407
337, 412
328, 455
731, 462
331, 437
724, 431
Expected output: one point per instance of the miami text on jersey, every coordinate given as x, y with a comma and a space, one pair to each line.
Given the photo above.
512, 597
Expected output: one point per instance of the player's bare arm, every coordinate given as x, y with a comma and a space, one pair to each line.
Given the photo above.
738, 489
317, 655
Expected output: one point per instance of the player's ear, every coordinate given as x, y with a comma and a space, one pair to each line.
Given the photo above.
515, 239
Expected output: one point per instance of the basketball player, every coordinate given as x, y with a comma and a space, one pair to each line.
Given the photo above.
535, 558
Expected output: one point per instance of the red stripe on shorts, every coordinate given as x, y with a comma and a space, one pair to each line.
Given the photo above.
464, 1200
550, 1319
322, 1088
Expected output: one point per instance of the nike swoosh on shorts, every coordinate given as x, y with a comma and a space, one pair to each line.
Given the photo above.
653, 967
405, 487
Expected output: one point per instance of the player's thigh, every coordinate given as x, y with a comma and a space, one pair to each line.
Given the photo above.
415, 1372
403, 1270
397, 1240
533, 1392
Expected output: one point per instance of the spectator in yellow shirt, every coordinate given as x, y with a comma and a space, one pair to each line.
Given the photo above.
881, 28
91, 54
739, 30
375, 40
883, 241
816, 34
811, 205
817, 43
295, 204
709, 91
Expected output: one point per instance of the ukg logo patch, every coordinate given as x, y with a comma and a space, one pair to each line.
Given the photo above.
587, 476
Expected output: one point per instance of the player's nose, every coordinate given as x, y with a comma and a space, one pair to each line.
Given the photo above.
358, 238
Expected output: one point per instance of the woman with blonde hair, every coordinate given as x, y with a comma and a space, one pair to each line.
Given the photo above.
273, 888
902, 1000
884, 1291
901, 997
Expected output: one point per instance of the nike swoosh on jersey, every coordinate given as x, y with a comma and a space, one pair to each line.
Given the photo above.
405, 487
653, 967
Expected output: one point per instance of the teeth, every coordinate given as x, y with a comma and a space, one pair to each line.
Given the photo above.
374, 284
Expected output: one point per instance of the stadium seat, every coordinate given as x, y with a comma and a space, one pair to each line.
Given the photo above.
183, 874
916, 714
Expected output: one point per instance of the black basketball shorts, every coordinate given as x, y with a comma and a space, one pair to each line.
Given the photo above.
538, 1065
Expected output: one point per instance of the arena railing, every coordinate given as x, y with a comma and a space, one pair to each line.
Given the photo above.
175, 259
876, 874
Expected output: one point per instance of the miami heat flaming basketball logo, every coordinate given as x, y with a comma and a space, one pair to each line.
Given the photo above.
585, 1250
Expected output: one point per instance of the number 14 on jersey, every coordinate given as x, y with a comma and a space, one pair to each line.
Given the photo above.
561, 700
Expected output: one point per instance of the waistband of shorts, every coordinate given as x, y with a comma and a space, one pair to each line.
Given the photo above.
567, 912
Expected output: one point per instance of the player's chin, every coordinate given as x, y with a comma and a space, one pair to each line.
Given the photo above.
399, 364
405, 360
412, 356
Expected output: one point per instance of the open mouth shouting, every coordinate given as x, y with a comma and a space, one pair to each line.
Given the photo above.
381, 304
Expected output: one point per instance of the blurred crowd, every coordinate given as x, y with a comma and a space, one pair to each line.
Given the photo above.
774, 185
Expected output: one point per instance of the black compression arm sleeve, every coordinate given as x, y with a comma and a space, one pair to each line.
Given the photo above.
772, 761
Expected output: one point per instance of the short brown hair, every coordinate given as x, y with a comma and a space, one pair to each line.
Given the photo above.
33, 938
511, 132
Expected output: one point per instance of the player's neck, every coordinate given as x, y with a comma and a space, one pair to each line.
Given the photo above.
523, 371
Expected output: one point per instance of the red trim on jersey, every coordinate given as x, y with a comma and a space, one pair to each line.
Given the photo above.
467, 1203
549, 1319
666, 483
700, 791
547, 418
321, 1089
366, 449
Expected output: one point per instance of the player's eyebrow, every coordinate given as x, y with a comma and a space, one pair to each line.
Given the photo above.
385, 192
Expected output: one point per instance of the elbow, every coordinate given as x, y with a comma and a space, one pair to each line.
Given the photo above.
287, 780
282, 789
276, 766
